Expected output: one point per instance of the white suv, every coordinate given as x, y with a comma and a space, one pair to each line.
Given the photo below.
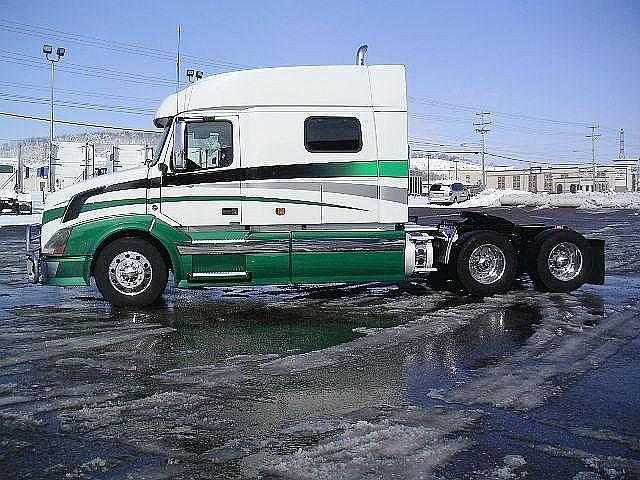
443, 193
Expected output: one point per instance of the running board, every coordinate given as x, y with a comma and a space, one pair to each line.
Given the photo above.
220, 275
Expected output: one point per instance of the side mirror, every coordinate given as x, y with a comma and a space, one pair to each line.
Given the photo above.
179, 153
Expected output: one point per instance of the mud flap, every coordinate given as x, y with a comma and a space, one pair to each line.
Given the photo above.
596, 276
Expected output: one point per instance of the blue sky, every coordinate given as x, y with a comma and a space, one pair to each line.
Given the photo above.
547, 69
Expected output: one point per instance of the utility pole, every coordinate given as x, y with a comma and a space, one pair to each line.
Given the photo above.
481, 128
19, 177
48, 50
593, 136
621, 154
428, 171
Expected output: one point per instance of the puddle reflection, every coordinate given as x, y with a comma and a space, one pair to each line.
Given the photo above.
449, 360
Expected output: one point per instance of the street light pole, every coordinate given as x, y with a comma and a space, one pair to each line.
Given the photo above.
48, 50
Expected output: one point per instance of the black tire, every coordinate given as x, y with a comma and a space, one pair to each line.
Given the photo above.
150, 261
466, 247
540, 270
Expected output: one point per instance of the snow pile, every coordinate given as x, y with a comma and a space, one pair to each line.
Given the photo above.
408, 443
518, 198
16, 220
486, 198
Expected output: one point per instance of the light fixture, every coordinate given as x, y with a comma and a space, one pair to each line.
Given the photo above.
47, 49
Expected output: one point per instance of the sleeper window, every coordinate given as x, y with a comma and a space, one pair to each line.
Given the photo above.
332, 134
209, 144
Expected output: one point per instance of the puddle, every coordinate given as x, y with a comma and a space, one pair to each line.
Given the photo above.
212, 332
449, 360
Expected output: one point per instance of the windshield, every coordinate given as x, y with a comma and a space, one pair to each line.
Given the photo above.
163, 139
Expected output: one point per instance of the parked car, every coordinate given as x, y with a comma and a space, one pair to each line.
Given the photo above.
7, 201
25, 204
15, 203
448, 194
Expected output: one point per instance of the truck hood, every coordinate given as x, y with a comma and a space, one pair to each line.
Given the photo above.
61, 197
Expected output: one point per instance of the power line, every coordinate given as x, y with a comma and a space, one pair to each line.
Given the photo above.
76, 123
72, 104
113, 45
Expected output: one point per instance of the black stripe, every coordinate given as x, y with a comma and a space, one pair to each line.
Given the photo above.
270, 172
77, 202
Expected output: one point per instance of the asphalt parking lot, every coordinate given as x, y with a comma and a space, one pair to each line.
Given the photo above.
370, 381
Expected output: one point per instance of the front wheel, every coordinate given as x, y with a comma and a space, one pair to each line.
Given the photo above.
485, 263
130, 272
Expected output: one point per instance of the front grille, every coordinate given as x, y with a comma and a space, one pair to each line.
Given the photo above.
33, 236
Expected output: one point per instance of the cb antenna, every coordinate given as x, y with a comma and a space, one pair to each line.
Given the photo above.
178, 68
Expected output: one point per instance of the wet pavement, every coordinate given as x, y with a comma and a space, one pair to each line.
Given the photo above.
372, 381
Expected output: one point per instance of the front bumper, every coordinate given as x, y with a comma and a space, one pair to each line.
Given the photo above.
440, 200
61, 271
36, 266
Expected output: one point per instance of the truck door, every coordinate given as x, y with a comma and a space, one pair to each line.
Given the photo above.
207, 193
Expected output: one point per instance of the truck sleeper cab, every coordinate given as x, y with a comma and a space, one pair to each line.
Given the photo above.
290, 175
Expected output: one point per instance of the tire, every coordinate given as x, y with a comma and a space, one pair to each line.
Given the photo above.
485, 263
130, 272
563, 246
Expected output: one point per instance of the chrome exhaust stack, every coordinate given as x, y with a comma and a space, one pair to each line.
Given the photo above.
360, 56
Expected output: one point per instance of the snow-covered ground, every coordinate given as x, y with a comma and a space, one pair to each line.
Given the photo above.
518, 198
14, 220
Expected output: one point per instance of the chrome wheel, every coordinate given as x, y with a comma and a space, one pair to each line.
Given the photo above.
487, 264
130, 273
565, 261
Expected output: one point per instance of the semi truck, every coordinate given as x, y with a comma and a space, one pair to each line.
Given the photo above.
292, 175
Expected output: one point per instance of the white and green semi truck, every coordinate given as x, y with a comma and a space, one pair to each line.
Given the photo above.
293, 175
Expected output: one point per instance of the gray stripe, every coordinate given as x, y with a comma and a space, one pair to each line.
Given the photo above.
393, 194
357, 189
305, 186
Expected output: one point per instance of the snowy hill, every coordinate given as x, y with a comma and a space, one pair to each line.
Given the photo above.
36, 149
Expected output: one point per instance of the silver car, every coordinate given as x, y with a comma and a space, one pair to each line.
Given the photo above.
448, 194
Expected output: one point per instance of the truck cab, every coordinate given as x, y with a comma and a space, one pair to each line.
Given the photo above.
290, 175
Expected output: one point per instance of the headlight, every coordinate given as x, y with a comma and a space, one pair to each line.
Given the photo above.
56, 244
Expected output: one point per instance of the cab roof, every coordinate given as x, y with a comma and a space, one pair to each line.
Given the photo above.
378, 86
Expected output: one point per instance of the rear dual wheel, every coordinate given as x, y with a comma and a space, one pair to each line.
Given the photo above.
485, 263
562, 260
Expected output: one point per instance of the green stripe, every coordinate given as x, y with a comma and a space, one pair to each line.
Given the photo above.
55, 213
394, 168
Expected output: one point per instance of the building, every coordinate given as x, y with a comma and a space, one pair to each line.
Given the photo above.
73, 163
620, 176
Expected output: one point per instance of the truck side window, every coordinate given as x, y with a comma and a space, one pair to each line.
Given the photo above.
332, 134
209, 144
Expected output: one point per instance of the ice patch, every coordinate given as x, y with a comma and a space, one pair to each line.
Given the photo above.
407, 443
559, 351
